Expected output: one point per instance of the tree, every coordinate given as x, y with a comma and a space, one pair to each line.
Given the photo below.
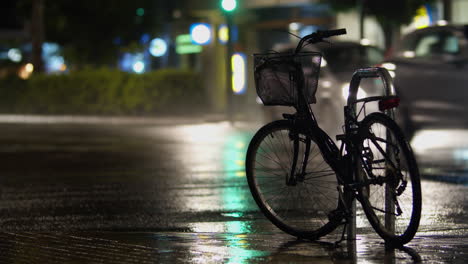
389, 14
94, 31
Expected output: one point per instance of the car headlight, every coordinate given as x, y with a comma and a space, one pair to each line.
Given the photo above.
345, 92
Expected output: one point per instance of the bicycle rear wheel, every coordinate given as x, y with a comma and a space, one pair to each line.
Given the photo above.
301, 203
393, 190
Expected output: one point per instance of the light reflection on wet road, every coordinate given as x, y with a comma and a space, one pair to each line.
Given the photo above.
443, 154
183, 186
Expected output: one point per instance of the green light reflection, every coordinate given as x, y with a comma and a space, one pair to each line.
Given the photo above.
235, 199
235, 196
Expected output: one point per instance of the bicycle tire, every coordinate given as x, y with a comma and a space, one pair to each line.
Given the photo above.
308, 209
386, 154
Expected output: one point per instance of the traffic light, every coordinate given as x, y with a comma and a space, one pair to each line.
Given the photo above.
228, 5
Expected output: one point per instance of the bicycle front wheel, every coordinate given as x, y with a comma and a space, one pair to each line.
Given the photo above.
291, 182
391, 196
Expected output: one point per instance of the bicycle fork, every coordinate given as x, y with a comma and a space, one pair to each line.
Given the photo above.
293, 178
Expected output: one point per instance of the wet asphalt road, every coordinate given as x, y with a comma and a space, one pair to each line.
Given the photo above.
174, 190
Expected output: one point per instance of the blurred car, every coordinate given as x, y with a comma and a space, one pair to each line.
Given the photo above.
340, 60
430, 69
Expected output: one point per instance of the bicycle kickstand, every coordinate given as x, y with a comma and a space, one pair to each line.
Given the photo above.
346, 223
347, 217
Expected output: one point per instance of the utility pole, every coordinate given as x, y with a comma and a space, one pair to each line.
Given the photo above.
228, 7
37, 34
447, 9
229, 52
361, 4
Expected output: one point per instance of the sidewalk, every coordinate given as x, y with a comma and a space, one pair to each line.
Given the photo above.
163, 119
78, 119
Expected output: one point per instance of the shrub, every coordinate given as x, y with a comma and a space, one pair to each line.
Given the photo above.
103, 91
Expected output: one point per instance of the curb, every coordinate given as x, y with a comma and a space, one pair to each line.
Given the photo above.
111, 120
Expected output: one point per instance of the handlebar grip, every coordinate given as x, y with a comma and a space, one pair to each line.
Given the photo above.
333, 32
318, 37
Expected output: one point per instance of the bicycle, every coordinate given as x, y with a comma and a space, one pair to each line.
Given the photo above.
303, 182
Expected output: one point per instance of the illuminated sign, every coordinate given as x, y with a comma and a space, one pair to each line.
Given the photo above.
223, 34
423, 17
239, 76
184, 45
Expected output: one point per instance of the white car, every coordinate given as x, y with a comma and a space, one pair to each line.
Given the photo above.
430, 68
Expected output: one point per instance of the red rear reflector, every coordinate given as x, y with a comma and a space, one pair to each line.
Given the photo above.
390, 103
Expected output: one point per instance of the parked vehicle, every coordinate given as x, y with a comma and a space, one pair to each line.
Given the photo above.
430, 69
340, 60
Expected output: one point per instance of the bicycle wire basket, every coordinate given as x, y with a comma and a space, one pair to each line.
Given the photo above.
279, 76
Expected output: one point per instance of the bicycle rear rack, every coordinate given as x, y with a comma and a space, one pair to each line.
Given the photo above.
363, 73
372, 72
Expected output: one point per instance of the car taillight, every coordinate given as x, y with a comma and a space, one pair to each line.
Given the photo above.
389, 103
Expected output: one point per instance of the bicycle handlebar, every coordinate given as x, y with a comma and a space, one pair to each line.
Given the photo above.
319, 36
330, 33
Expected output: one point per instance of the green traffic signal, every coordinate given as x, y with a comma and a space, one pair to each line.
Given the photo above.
228, 5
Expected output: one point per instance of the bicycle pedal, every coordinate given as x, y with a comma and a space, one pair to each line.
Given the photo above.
337, 216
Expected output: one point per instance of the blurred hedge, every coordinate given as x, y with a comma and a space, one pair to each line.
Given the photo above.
104, 91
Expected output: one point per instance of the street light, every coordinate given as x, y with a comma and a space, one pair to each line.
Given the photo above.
200, 33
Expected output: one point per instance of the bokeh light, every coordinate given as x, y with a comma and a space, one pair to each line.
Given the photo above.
158, 47
15, 55
139, 67
200, 33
